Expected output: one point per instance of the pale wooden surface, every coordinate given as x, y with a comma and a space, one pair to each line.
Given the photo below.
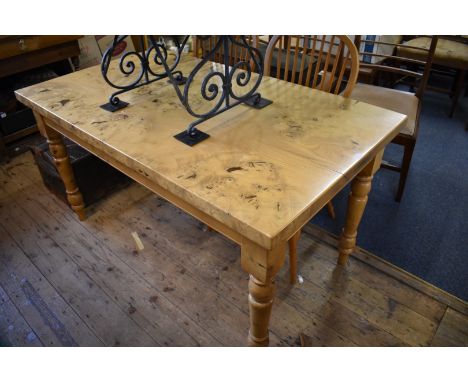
188, 289
263, 173
258, 179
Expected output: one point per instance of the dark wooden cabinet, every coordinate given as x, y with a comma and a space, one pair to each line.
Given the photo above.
19, 54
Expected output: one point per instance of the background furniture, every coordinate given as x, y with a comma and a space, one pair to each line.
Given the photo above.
202, 46
327, 63
19, 54
388, 73
450, 58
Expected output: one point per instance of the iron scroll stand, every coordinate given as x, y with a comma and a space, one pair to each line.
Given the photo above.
220, 92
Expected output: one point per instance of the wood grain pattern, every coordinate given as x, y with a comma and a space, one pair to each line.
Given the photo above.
258, 180
306, 137
420, 296
15, 269
453, 330
14, 330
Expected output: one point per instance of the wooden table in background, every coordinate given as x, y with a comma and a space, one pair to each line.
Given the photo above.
259, 178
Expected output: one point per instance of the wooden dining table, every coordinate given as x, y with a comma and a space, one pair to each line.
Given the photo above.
259, 177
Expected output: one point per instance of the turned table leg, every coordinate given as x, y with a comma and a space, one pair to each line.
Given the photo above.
357, 201
260, 303
262, 265
62, 163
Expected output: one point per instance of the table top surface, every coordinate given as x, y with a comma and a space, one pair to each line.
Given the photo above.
259, 170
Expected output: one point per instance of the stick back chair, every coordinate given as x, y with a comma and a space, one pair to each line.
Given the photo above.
391, 70
327, 63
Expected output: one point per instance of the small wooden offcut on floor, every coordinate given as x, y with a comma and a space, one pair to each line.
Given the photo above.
69, 283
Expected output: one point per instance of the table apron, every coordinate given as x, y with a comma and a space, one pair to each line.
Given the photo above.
297, 223
157, 189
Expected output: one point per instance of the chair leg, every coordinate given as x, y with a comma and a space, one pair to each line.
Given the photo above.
460, 81
293, 257
331, 210
407, 155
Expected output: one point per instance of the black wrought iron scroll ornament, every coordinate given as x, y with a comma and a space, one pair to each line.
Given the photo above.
216, 86
127, 67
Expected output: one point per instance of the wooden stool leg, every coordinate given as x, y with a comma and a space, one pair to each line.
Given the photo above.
331, 210
260, 303
293, 257
460, 81
62, 162
357, 201
407, 155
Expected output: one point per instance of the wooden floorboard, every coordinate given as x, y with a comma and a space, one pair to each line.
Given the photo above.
401, 277
453, 330
14, 330
69, 283
48, 314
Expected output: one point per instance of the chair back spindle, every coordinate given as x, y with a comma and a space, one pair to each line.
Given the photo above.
327, 63
204, 44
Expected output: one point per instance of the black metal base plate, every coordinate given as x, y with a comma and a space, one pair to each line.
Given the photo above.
109, 107
179, 81
191, 140
260, 104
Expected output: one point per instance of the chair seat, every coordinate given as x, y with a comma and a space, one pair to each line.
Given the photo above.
392, 99
448, 53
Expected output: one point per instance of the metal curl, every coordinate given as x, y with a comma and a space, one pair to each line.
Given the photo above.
114, 100
221, 97
209, 92
243, 78
127, 66
106, 60
212, 88
185, 97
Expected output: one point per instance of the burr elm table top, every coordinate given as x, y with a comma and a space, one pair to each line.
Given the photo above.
262, 173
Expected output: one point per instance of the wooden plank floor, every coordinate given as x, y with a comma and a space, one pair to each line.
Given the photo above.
69, 283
